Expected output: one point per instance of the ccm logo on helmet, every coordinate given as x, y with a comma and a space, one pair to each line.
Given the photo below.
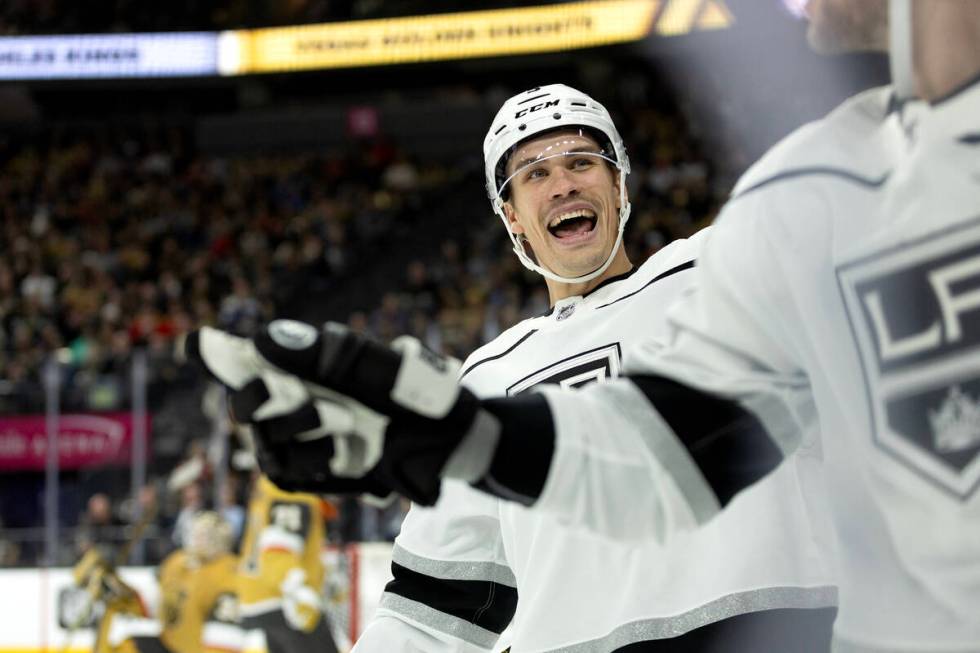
536, 107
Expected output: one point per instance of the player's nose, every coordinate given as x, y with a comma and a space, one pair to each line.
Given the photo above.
563, 183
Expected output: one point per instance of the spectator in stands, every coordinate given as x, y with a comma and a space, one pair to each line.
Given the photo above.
231, 509
9, 551
158, 544
191, 503
99, 526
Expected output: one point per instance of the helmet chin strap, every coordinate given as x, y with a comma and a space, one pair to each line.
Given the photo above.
900, 47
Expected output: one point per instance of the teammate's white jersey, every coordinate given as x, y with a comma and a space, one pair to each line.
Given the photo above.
842, 283
457, 564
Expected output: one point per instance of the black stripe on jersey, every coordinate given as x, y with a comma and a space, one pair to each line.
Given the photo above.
846, 175
485, 603
496, 356
662, 275
728, 443
970, 139
800, 630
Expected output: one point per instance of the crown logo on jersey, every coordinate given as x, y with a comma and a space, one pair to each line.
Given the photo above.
956, 425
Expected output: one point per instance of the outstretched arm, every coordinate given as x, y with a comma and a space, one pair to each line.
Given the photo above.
698, 418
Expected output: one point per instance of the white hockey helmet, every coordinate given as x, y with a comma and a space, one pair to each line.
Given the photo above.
530, 114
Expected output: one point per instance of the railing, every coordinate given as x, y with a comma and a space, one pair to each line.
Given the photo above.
27, 547
54, 461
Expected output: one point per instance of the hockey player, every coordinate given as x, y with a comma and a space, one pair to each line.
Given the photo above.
559, 180
103, 587
199, 602
460, 566
839, 285
281, 573
198, 610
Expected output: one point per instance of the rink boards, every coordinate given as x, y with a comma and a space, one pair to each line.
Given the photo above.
29, 601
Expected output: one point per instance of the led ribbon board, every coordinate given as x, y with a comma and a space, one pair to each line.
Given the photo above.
495, 33
170, 54
464, 35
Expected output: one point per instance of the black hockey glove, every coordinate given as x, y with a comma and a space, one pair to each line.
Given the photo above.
334, 412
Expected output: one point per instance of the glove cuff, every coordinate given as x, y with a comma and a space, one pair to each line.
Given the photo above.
472, 457
522, 459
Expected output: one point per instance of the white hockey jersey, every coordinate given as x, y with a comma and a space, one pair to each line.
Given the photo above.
460, 565
843, 278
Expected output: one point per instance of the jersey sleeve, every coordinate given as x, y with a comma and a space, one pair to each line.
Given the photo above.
701, 414
452, 589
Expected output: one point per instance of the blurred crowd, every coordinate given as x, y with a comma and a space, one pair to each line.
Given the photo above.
118, 239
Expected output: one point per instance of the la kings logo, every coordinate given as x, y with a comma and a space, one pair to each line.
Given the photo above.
915, 311
576, 371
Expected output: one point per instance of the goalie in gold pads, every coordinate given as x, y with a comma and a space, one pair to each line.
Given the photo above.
199, 606
198, 610
281, 572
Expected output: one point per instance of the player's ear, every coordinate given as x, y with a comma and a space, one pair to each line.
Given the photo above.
511, 215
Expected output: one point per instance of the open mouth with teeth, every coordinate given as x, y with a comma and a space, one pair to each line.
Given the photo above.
573, 223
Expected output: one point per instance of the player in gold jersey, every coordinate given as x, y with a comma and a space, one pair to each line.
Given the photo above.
102, 585
198, 602
199, 605
281, 573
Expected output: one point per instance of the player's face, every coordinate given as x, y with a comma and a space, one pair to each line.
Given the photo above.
847, 25
564, 199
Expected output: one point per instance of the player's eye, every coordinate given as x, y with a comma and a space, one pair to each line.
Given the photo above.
582, 163
535, 173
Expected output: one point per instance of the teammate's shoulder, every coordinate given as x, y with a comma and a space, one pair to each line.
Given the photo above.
825, 145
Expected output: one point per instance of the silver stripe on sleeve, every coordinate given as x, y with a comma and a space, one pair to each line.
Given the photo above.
444, 623
473, 455
841, 645
769, 598
453, 569
666, 448
782, 427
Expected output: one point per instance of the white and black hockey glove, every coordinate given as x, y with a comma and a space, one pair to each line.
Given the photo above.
287, 424
335, 412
